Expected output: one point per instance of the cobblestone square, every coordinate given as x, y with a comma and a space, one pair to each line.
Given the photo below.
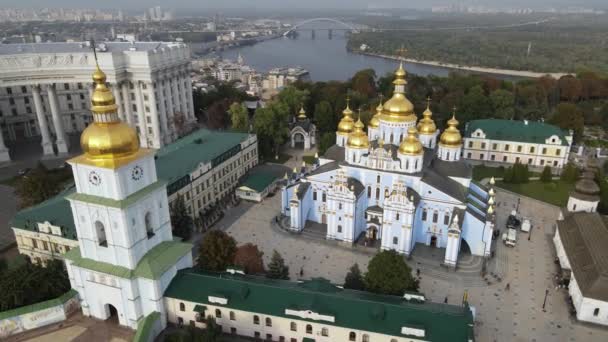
515, 314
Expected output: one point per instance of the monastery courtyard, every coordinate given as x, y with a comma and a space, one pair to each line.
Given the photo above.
501, 315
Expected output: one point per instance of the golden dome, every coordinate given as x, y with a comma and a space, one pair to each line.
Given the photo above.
399, 108
375, 121
451, 136
426, 125
411, 145
358, 138
302, 114
107, 139
347, 123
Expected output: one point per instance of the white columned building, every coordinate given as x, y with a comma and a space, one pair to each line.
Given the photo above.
44, 92
126, 256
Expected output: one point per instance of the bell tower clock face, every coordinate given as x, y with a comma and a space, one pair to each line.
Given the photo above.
94, 178
137, 173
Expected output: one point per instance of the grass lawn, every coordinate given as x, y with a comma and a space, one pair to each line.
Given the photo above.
310, 159
555, 192
481, 171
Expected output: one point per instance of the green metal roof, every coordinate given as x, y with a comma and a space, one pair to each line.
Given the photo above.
56, 210
39, 306
513, 130
351, 309
156, 262
180, 158
259, 181
145, 326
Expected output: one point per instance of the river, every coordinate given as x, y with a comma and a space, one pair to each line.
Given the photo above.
324, 57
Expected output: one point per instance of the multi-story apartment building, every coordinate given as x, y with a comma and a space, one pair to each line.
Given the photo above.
509, 141
45, 91
202, 167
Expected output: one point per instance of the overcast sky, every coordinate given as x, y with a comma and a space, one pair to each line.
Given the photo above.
290, 4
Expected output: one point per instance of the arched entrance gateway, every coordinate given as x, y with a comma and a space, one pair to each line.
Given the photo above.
112, 314
372, 233
434, 241
298, 140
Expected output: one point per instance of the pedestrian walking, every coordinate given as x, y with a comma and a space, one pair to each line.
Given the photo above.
417, 272
301, 272
445, 300
508, 287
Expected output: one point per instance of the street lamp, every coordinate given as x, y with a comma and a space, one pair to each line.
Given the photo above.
545, 301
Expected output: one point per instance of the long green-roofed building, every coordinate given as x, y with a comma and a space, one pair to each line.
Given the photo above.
511, 141
317, 310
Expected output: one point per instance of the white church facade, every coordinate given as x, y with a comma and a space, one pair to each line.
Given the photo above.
401, 183
126, 256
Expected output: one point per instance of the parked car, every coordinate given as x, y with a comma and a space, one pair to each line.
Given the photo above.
513, 221
510, 237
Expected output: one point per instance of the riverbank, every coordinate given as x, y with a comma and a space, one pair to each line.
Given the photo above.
482, 70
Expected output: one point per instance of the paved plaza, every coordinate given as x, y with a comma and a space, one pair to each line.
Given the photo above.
501, 315
77, 328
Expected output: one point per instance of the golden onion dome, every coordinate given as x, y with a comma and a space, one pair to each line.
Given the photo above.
375, 120
451, 136
358, 138
347, 124
426, 125
302, 114
107, 138
411, 145
398, 108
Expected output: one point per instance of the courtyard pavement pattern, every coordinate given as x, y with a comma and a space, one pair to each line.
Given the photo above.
501, 315
77, 328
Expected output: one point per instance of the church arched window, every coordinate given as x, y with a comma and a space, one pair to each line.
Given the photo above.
407, 164
392, 142
148, 223
101, 234
377, 193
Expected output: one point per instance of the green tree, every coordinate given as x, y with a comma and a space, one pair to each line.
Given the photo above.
216, 251
271, 125
249, 258
325, 119
36, 186
277, 268
387, 273
569, 116
239, 117
354, 279
475, 104
180, 219
293, 98
29, 284
327, 140
364, 82
570, 173
503, 104
546, 175
212, 332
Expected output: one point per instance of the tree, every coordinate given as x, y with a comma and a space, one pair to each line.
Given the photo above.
29, 284
293, 98
216, 251
354, 279
277, 268
570, 173
364, 82
36, 186
212, 330
387, 273
546, 175
325, 119
239, 116
270, 124
503, 104
180, 219
570, 88
327, 140
569, 116
249, 258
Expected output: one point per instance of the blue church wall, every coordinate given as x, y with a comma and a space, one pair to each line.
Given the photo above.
472, 233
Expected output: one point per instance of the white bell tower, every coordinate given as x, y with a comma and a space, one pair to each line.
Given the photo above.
126, 256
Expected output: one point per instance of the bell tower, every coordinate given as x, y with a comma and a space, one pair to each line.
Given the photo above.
121, 213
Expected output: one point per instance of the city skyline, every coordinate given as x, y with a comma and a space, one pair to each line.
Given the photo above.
313, 4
